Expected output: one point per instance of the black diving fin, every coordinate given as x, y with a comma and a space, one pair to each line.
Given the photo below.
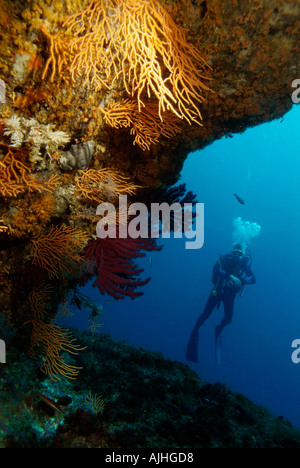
191, 353
218, 348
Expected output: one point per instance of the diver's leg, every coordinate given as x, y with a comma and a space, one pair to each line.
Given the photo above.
192, 348
210, 305
228, 314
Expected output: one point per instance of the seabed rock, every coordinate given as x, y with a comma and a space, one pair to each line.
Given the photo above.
146, 401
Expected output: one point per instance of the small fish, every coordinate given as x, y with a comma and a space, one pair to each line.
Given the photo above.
239, 199
150, 262
108, 301
49, 402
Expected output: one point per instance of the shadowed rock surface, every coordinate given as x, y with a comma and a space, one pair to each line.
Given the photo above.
148, 401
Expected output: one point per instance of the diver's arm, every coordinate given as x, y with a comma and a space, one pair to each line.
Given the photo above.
222, 272
219, 273
248, 277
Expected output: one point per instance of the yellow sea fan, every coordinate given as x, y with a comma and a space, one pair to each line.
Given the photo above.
59, 249
135, 45
103, 185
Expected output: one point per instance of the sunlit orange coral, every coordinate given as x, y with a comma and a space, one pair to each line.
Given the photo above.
133, 45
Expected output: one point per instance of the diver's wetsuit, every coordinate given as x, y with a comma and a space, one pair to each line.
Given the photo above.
227, 265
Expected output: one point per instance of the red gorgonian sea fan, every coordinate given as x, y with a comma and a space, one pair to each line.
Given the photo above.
116, 273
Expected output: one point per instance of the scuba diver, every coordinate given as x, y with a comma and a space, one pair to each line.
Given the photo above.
230, 274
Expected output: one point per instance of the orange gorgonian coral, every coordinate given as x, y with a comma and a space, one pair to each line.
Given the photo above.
39, 299
59, 249
52, 340
3, 228
104, 185
96, 402
146, 125
133, 45
15, 177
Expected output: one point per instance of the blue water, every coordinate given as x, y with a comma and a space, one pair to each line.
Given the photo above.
263, 166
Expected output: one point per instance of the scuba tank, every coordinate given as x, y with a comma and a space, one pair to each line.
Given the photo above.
234, 269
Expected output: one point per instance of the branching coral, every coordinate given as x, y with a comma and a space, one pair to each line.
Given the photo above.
15, 177
39, 299
103, 185
135, 45
52, 340
48, 339
3, 228
116, 273
96, 402
59, 249
146, 125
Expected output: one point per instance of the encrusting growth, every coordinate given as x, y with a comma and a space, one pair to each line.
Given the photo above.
135, 46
